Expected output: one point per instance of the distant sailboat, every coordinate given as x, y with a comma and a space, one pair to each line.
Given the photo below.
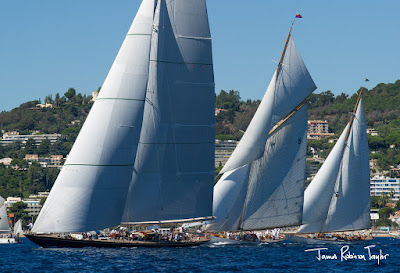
263, 182
146, 151
5, 229
18, 229
338, 198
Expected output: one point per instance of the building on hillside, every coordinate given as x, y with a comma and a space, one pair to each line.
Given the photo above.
218, 111
6, 161
52, 161
387, 185
95, 94
372, 132
318, 129
47, 105
11, 137
223, 150
76, 122
312, 166
33, 203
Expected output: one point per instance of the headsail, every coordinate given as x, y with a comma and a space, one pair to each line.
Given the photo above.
290, 85
348, 197
90, 191
4, 225
174, 169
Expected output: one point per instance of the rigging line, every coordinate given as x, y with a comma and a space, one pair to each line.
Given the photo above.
297, 108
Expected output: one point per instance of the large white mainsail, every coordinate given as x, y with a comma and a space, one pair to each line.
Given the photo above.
4, 225
174, 169
263, 182
338, 198
90, 191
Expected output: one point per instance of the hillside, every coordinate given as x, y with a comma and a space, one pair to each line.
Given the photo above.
381, 104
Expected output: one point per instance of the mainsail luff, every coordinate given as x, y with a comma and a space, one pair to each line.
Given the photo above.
174, 171
99, 166
347, 200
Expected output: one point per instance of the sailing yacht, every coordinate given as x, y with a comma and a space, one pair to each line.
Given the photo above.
6, 236
263, 182
145, 154
338, 198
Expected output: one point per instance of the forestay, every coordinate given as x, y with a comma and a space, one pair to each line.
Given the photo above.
174, 169
90, 191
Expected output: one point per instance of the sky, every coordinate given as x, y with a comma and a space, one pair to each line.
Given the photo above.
48, 46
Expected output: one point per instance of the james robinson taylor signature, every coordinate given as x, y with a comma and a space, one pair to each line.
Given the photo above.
346, 254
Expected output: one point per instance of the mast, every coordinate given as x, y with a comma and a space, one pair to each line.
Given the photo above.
284, 48
287, 89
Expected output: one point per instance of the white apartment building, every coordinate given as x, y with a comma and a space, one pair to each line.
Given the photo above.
318, 129
384, 184
33, 202
10, 137
223, 150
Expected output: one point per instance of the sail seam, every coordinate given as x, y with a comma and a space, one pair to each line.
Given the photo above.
171, 62
138, 34
119, 99
100, 165
174, 143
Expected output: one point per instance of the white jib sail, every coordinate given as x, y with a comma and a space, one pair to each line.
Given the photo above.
174, 169
90, 191
4, 226
338, 198
290, 85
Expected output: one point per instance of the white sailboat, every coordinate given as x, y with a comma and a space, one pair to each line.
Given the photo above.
263, 182
5, 230
338, 198
18, 232
146, 151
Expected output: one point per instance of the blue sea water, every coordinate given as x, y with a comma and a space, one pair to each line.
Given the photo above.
277, 257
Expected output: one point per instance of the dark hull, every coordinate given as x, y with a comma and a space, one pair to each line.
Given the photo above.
53, 241
305, 240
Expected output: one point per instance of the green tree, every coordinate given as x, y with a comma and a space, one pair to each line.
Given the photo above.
385, 212
70, 93
44, 147
18, 208
30, 146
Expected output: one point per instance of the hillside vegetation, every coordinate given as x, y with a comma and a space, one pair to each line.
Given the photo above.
381, 105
